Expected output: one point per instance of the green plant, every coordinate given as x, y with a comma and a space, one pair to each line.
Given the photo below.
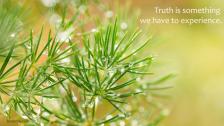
10, 25
60, 81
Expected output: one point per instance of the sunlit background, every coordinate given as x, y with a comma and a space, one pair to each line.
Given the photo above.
194, 53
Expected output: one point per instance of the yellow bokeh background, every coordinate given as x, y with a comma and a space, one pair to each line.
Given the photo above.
196, 54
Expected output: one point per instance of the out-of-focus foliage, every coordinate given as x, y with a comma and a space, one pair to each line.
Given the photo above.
10, 24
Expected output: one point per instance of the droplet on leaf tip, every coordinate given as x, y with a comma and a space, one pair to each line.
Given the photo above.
109, 117
24, 117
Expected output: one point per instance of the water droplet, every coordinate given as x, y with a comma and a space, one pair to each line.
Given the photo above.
74, 98
122, 123
109, 117
13, 35
28, 46
91, 105
109, 14
45, 53
24, 117
130, 65
45, 114
38, 111
138, 90
113, 124
124, 26
165, 112
134, 123
83, 116
82, 9
65, 36
49, 3
41, 124
6, 108
97, 100
55, 19
116, 45
94, 30
138, 79
122, 115
67, 81
153, 58
62, 90
111, 72
65, 60
141, 64
122, 70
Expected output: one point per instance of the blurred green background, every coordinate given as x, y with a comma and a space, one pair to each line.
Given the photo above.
196, 54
